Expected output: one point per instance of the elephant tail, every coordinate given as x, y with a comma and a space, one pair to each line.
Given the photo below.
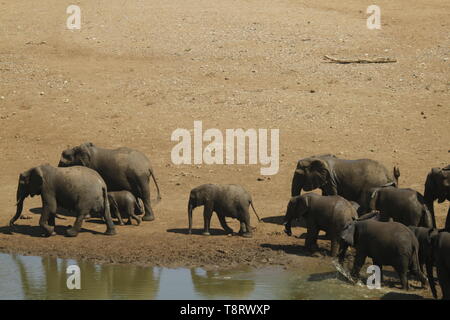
152, 174
415, 264
251, 203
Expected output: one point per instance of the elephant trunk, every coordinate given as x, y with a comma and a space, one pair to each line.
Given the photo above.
429, 196
190, 208
297, 185
20, 197
288, 220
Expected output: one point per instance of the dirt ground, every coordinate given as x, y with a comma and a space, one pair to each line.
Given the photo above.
138, 70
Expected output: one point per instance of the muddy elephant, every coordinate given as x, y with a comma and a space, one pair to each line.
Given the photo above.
347, 178
403, 205
79, 189
228, 200
122, 169
387, 243
328, 213
437, 187
124, 205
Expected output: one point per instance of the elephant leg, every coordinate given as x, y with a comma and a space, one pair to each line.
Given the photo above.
224, 224
119, 217
402, 270
245, 225
444, 280
311, 238
207, 213
145, 196
48, 210
131, 214
334, 246
73, 231
447, 221
360, 258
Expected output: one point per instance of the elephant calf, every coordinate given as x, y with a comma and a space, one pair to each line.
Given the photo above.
78, 189
387, 243
124, 205
229, 200
327, 213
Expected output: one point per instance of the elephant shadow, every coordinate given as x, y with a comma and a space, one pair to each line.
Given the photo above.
288, 248
213, 232
402, 296
37, 232
59, 211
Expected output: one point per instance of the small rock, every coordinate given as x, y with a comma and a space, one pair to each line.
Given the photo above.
41, 93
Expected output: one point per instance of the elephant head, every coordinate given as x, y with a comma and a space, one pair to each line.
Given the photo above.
297, 207
437, 187
310, 173
349, 234
78, 156
30, 184
198, 197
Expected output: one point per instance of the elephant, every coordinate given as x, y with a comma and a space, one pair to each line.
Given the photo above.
327, 213
424, 237
403, 205
77, 188
124, 205
437, 187
387, 243
227, 200
347, 178
122, 169
441, 255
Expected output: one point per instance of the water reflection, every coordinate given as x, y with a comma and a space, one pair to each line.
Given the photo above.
27, 277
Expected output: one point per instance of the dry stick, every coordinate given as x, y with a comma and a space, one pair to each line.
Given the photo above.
375, 60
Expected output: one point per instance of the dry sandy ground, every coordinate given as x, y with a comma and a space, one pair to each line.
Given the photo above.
137, 70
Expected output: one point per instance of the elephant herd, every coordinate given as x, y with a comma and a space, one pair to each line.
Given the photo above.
361, 205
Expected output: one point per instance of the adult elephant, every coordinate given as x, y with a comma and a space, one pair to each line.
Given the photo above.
122, 169
347, 178
437, 187
78, 189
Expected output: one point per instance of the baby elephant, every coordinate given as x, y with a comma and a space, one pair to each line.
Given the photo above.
123, 204
387, 243
229, 200
327, 213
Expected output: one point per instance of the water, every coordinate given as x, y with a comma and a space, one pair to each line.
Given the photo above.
29, 277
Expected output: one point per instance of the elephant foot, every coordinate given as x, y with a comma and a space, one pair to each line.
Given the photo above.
247, 235
206, 233
110, 232
71, 232
148, 218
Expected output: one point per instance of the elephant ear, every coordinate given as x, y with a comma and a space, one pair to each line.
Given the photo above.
83, 154
430, 193
348, 233
319, 173
302, 205
36, 179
